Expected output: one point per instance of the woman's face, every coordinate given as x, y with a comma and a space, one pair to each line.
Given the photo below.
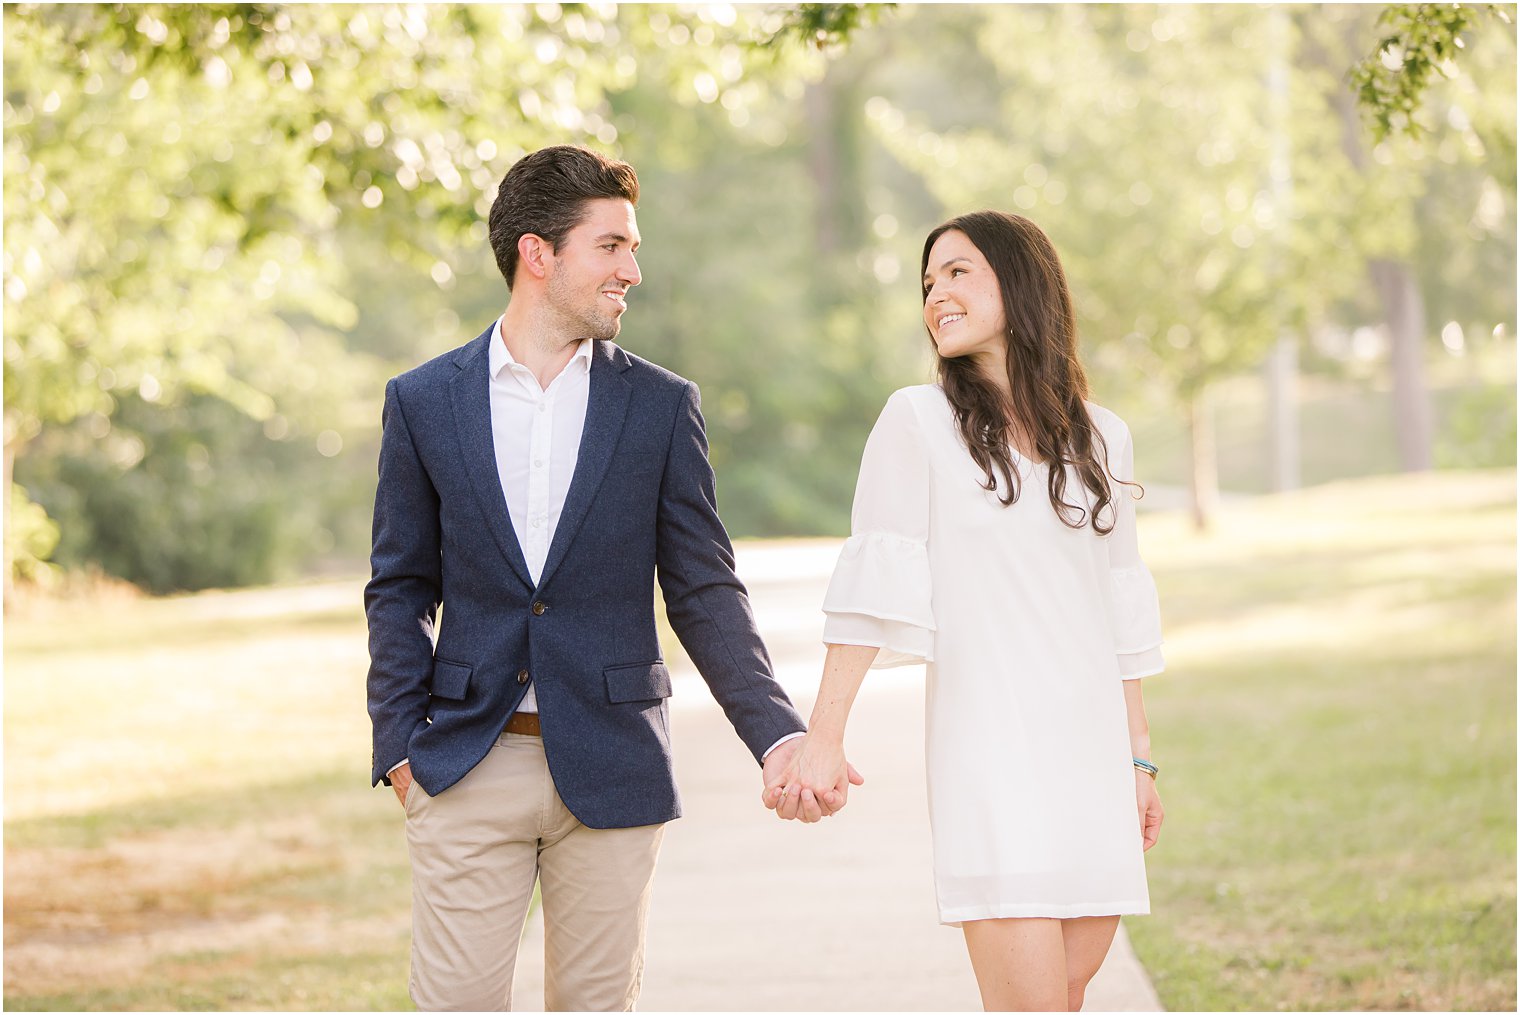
963, 306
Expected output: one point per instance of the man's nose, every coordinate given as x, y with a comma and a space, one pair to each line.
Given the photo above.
628, 272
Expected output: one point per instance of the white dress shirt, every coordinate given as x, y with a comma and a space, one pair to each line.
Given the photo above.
536, 433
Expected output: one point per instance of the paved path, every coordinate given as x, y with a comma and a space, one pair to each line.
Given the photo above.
753, 913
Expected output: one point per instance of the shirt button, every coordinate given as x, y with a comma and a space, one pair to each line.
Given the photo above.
542, 407
522, 676
538, 463
538, 609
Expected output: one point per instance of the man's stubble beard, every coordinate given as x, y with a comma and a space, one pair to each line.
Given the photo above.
580, 320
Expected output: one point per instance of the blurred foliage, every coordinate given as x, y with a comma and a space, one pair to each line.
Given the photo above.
30, 538
226, 225
825, 25
188, 495
1423, 40
185, 187
1200, 204
1481, 429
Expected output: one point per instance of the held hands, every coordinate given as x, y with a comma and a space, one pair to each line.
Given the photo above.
1149, 803
808, 779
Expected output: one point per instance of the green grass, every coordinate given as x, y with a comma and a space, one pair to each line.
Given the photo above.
188, 825
187, 820
1337, 738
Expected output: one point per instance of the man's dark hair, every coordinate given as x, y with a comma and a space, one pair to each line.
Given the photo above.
545, 193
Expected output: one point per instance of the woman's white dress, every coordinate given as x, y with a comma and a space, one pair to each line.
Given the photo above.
1028, 627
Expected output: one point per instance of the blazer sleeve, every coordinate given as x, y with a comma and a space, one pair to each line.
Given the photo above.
706, 602
404, 592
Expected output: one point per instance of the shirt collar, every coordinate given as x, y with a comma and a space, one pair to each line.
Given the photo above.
499, 358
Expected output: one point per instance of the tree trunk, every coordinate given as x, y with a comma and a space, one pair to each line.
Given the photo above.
10, 471
1282, 391
1204, 474
1404, 309
823, 159
835, 157
1282, 364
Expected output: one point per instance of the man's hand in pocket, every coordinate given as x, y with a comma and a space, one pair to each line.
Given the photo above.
401, 781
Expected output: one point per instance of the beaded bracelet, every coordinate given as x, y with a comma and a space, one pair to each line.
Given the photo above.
1146, 767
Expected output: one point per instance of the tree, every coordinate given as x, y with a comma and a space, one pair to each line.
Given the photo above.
175, 176
182, 184
1395, 179
1422, 41
1142, 142
1189, 164
756, 225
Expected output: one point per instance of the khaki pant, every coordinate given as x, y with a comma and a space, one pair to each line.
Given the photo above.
476, 850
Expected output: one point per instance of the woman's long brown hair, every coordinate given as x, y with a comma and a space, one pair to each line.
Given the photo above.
1045, 376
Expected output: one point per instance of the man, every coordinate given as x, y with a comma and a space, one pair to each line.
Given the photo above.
532, 483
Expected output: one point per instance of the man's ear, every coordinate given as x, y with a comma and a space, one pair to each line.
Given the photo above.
533, 255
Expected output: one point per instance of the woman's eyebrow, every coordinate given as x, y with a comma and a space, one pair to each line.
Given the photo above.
947, 264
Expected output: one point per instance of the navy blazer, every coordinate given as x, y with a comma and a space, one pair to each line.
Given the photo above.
641, 501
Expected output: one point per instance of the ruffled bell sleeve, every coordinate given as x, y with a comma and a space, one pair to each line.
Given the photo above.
1134, 609
880, 594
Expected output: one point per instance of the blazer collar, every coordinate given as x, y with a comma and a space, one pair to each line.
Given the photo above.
471, 393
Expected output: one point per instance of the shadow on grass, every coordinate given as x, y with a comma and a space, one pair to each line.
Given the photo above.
291, 894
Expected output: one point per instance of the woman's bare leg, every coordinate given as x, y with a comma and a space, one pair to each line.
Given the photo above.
1087, 940
1020, 964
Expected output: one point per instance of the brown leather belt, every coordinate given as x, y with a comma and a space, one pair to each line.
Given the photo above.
525, 723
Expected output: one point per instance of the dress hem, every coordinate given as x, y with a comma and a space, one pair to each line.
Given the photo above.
955, 917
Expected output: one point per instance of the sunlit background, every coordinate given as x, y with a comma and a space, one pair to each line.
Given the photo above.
1293, 254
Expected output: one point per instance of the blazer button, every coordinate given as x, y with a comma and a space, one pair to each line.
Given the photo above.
522, 676
538, 609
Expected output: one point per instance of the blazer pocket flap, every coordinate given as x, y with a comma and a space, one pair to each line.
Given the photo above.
450, 680
643, 682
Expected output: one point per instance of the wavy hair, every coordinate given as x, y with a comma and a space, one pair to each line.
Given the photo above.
1045, 377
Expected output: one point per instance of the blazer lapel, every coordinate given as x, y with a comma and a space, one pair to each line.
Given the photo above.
606, 405
471, 392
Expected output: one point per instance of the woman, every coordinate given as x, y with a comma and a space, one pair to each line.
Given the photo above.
994, 539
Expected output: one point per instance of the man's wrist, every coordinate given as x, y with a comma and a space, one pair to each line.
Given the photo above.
771, 750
